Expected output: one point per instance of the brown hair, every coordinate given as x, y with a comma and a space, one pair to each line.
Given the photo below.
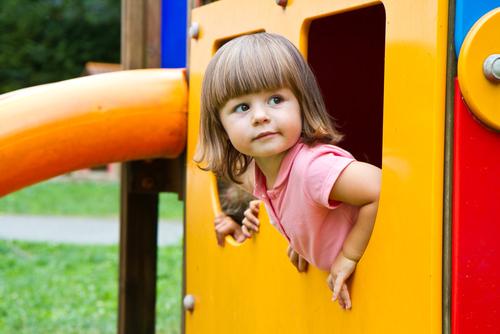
233, 200
251, 64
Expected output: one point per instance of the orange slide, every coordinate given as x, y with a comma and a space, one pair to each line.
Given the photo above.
56, 128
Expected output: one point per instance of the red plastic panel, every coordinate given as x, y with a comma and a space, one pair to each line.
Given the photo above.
476, 225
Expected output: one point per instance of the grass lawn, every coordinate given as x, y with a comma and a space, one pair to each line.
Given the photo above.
78, 198
48, 288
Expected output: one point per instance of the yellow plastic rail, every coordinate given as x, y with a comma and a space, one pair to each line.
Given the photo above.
56, 128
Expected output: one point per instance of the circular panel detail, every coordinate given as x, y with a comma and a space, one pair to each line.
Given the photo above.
480, 92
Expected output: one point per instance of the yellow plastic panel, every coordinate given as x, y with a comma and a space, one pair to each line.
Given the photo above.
253, 288
481, 94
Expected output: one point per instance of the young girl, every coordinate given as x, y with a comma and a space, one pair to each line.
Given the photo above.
264, 126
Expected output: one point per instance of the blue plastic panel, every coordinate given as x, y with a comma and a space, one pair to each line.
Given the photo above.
467, 13
173, 33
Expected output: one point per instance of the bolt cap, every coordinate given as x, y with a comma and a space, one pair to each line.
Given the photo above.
194, 30
491, 68
189, 303
282, 3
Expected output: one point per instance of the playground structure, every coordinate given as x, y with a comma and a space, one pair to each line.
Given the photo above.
387, 70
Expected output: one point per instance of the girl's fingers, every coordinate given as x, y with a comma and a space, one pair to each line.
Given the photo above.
254, 208
245, 231
250, 214
221, 230
341, 302
220, 239
254, 205
302, 265
297, 260
251, 217
246, 222
345, 297
218, 219
340, 291
249, 225
329, 281
294, 257
337, 285
239, 237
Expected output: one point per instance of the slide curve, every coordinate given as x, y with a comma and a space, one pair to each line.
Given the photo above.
53, 129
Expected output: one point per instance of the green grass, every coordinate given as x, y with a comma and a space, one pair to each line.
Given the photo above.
49, 288
78, 198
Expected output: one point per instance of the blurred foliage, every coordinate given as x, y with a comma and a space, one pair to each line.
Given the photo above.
44, 41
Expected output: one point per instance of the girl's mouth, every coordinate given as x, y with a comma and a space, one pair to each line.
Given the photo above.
265, 134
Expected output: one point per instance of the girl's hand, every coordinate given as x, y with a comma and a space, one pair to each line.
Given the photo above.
251, 220
298, 261
341, 270
225, 225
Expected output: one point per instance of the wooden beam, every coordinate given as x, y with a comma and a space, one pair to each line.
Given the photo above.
133, 33
138, 252
153, 33
139, 188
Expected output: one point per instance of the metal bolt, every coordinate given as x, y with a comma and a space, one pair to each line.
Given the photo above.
189, 303
147, 183
491, 68
194, 30
282, 3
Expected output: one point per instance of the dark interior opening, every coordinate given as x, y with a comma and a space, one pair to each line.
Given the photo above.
346, 52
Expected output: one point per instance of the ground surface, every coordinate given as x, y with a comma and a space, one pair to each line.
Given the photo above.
76, 230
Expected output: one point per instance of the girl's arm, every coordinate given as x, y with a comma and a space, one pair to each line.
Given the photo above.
358, 184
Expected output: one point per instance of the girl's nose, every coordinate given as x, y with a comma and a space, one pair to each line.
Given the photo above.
259, 116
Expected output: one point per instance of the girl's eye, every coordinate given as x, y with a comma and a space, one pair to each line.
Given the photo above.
274, 100
241, 107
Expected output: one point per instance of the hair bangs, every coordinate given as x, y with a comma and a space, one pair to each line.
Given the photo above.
247, 69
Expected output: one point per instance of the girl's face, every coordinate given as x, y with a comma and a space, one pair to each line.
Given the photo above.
264, 124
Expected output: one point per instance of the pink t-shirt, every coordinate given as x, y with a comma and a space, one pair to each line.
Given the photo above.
299, 205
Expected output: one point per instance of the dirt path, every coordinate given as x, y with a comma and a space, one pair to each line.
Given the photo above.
76, 230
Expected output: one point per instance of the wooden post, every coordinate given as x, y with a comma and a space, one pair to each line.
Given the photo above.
139, 186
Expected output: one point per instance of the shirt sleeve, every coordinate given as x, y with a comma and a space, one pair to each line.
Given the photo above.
322, 173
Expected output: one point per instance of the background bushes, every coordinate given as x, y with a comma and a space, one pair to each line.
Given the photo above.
44, 41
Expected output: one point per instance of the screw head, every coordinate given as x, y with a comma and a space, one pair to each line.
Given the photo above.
147, 183
282, 3
491, 68
194, 30
189, 303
